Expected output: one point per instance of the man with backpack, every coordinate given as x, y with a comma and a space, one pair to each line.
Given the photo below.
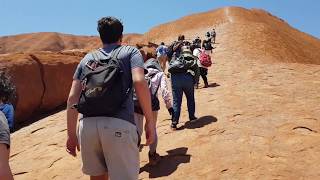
157, 83
175, 48
162, 56
184, 75
102, 92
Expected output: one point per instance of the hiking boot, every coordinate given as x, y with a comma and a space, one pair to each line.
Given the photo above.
154, 158
193, 118
174, 127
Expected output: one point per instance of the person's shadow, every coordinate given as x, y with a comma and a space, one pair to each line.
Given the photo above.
212, 85
168, 163
199, 123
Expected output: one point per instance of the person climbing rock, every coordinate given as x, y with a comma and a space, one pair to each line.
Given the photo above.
184, 75
157, 84
108, 135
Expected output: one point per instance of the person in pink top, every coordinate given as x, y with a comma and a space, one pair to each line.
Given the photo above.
157, 84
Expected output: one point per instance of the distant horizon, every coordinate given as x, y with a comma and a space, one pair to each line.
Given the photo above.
38, 16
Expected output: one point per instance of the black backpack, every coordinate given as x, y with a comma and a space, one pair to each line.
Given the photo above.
186, 61
103, 91
155, 104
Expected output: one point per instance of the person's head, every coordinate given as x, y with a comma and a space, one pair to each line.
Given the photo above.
7, 89
162, 43
181, 38
110, 30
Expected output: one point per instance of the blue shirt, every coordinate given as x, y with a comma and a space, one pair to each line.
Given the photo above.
131, 58
162, 50
8, 111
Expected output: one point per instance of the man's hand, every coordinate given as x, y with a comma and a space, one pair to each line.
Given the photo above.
150, 129
72, 144
72, 116
170, 110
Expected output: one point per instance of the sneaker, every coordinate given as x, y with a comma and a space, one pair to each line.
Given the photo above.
206, 86
193, 118
173, 126
154, 158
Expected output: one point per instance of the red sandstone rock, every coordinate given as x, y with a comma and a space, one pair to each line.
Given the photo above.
42, 79
26, 75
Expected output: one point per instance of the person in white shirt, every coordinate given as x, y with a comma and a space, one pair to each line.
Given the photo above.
203, 70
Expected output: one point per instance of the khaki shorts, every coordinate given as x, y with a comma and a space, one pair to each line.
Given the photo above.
109, 145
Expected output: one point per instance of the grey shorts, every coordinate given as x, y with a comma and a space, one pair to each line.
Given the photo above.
109, 145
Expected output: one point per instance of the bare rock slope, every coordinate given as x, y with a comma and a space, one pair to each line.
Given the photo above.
258, 120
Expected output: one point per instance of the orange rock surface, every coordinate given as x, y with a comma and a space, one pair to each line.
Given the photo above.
42, 79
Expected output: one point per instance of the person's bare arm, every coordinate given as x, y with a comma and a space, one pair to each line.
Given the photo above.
176, 46
5, 171
72, 117
143, 94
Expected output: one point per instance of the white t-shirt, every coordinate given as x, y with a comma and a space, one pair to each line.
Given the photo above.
196, 52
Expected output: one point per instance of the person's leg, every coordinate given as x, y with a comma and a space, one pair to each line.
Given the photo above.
5, 171
119, 140
138, 119
203, 73
153, 146
188, 89
91, 150
154, 157
165, 59
177, 97
162, 62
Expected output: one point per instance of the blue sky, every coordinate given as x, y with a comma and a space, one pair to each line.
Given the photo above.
80, 16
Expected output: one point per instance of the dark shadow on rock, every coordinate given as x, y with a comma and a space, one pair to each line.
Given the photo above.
38, 116
168, 163
199, 123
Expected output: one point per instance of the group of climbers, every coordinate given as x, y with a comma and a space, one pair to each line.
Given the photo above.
113, 90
